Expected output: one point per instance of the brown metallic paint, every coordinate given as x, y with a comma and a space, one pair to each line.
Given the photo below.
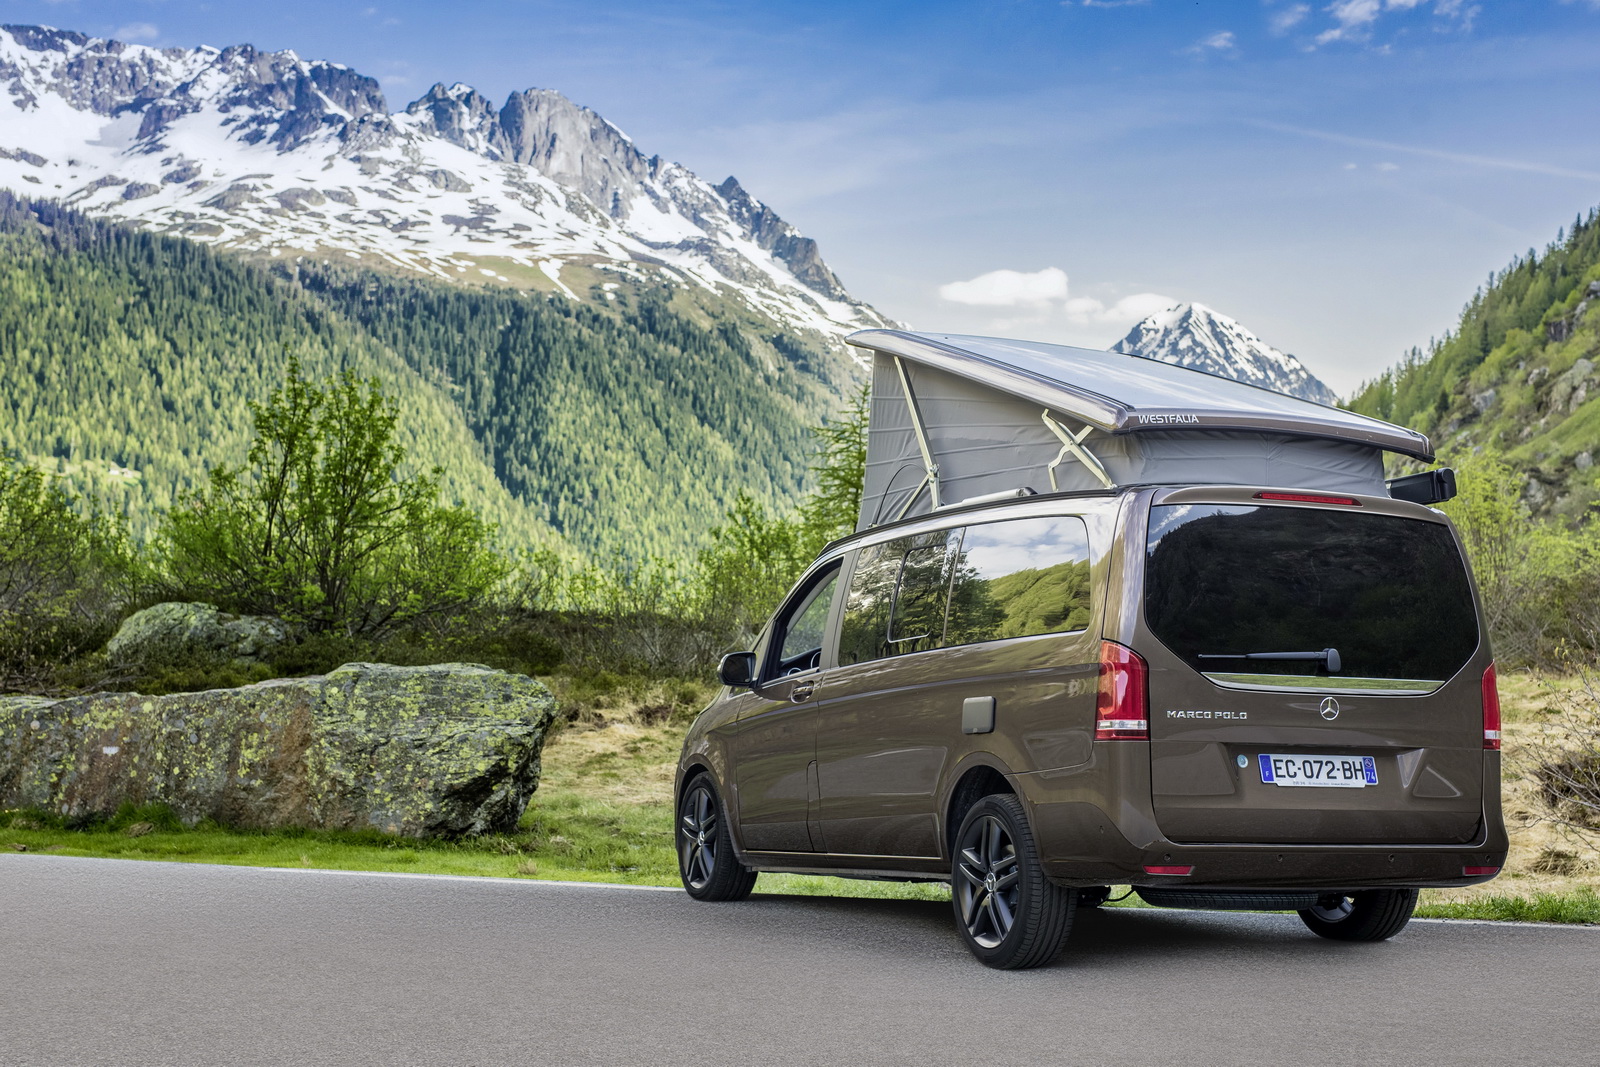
1101, 810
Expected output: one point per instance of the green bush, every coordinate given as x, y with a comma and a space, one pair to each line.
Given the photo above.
66, 574
322, 528
1539, 579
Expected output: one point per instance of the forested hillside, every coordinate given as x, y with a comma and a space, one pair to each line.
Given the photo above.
127, 360
1518, 375
627, 426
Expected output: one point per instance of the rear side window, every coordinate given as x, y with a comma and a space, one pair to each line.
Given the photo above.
1019, 579
1389, 595
985, 583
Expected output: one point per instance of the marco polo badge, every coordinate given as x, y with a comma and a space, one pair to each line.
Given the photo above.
1330, 708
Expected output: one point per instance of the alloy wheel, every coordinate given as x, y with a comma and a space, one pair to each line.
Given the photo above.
1332, 909
697, 837
987, 884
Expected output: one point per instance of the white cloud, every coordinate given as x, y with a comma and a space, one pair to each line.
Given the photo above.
1009, 288
1349, 166
1087, 311
1216, 42
136, 31
1388, 166
1356, 18
1290, 17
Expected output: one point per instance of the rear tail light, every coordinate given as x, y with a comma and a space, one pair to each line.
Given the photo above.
1121, 711
1479, 872
1491, 710
1180, 871
1311, 498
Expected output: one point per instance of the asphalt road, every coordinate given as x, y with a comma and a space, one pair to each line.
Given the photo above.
126, 962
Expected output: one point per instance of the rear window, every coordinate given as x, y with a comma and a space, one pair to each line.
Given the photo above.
1388, 595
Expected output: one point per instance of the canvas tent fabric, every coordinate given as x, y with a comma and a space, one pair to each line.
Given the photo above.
999, 416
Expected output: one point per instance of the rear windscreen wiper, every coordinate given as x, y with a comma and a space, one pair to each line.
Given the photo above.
1328, 657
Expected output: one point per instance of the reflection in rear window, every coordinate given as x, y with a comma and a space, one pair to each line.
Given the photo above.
1389, 594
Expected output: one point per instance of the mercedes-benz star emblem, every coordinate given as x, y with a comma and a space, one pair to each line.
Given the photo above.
1330, 708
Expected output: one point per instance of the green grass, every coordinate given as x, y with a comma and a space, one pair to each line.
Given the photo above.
1579, 906
565, 837
602, 813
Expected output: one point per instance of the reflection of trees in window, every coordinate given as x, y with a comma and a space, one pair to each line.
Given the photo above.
864, 634
998, 591
1045, 600
916, 622
905, 579
1009, 579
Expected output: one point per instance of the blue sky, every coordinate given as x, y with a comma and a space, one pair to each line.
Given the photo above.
1339, 176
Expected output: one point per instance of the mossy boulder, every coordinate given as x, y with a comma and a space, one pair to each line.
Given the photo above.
448, 750
178, 632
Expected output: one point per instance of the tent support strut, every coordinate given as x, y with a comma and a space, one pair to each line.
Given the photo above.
931, 481
1071, 444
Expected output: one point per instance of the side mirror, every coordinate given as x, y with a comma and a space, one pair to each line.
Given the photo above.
738, 670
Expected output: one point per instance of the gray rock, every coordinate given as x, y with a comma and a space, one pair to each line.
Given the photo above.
301, 199
184, 172
139, 190
233, 196
440, 178
447, 750
174, 632
25, 156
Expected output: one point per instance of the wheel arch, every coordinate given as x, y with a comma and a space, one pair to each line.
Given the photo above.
976, 780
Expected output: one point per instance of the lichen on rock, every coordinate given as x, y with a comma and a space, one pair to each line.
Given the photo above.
177, 632
448, 750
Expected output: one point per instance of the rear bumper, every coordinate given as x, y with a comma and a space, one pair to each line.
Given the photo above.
1082, 843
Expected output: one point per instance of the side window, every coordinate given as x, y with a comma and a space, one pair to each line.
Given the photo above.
1018, 579
896, 602
804, 628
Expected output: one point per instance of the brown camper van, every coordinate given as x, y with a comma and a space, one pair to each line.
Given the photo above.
1175, 632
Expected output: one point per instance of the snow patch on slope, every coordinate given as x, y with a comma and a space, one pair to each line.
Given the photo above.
265, 151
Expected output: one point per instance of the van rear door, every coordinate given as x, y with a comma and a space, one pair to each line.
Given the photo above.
1315, 673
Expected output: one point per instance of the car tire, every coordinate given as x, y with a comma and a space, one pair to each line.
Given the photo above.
1009, 914
1370, 915
706, 862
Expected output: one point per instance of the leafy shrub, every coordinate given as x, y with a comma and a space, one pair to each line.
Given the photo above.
321, 528
65, 576
1539, 580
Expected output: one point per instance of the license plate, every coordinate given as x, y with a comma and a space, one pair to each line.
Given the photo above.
1327, 772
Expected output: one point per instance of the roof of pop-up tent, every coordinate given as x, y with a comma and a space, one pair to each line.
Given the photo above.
1119, 393
975, 416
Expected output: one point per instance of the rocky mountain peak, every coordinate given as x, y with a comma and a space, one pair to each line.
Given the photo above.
1195, 336
270, 152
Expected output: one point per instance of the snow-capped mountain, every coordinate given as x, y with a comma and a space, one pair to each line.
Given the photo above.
1192, 335
268, 152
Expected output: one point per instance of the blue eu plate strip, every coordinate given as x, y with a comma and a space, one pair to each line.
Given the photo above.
1266, 769
1370, 765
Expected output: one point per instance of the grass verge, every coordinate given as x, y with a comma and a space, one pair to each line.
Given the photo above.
603, 813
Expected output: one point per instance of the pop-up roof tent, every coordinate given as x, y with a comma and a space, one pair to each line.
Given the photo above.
955, 418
